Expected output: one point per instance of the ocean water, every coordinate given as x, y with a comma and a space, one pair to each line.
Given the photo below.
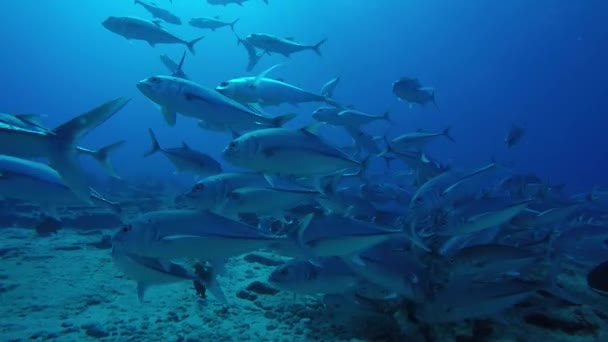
540, 65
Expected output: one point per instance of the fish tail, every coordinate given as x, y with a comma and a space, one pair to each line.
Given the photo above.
317, 47
232, 25
433, 100
446, 133
103, 157
155, 146
281, 120
191, 43
63, 157
386, 116
387, 149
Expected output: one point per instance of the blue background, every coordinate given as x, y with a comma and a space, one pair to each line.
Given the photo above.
537, 63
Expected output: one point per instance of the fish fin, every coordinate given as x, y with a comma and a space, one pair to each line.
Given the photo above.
387, 117
446, 133
302, 226
155, 146
169, 115
269, 179
141, 291
281, 120
103, 157
31, 119
234, 22
312, 129
317, 47
191, 43
63, 156
263, 74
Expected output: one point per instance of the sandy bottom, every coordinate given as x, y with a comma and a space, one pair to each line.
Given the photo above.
65, 288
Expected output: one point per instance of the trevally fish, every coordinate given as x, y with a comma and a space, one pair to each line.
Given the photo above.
267, 91
175, 68
348, 117
176, 234
177, 95
327, 275
328, 88
149, 272
288, 152
265, 201
416, 140
141, 29
160, 13
59, 145
210, 192
410, 90
185, 159
284, 46
345, 238
212, 23
45, 186
514, 136
253, 55
484, 220
227, 2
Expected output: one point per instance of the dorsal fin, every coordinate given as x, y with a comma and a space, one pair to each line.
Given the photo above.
263, 74
312, 129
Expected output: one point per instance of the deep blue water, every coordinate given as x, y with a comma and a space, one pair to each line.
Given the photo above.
540, 63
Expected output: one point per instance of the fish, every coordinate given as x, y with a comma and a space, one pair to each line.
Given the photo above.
227, 2
328, 88
288, 152
412, 91
149, 272
515, 135
467, 300
176, 234
176, 95
485, 220
416, 140
328, 276
267, 91
346, 238
284, 46
47, 187
175, 68
212, 23
265, 201
210, 192
490, 259
348, 117
149, 31
160, 13
59, 145
252, 54
185, 159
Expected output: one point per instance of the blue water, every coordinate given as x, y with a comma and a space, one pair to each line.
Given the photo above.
540, 64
